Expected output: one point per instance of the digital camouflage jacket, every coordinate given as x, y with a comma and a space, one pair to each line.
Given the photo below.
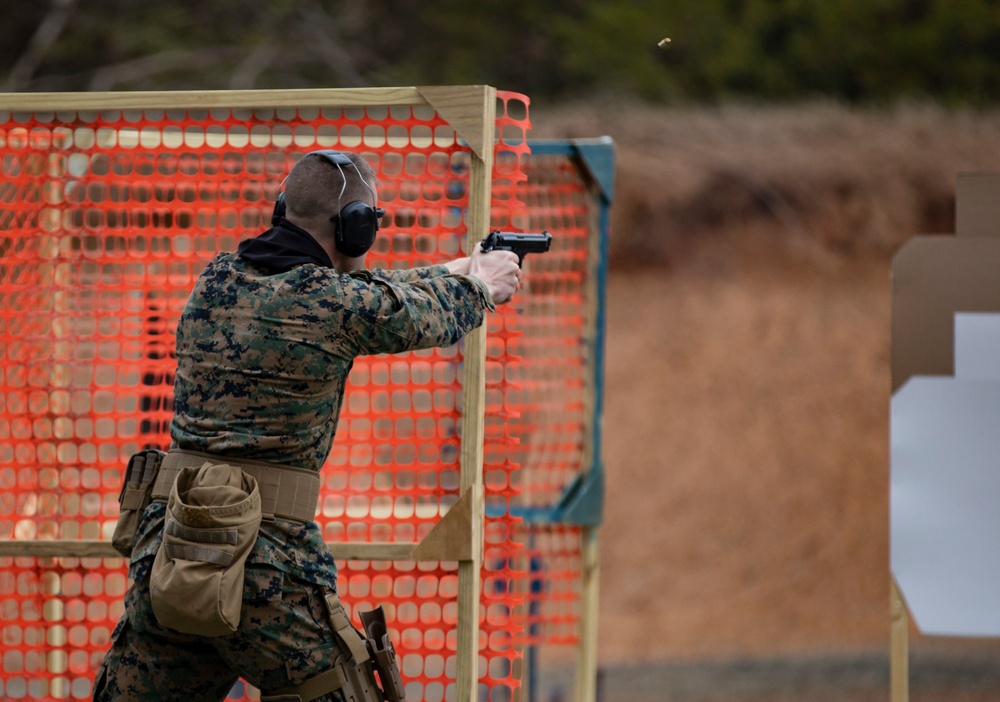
263, 358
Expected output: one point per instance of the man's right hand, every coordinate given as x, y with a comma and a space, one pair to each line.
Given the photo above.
500, 272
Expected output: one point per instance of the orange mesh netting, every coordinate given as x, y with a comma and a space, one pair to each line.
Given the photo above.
556, 376
106, 219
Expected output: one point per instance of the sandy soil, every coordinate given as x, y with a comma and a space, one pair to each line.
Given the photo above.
758, 412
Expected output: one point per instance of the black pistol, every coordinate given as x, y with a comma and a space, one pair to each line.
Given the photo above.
521, 244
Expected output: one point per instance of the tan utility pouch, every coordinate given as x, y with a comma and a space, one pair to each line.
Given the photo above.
137, 487
213, 515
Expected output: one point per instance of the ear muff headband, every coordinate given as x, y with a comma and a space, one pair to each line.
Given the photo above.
279, 210
357, 222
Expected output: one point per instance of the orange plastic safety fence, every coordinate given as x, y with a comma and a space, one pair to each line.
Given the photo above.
106, 219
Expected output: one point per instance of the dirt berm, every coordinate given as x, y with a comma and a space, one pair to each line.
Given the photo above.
744, 552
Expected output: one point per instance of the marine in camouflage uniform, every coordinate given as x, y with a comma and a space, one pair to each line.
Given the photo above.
262, 361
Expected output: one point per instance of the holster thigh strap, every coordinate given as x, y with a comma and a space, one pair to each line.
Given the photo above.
352, 673
347, 635
286, 492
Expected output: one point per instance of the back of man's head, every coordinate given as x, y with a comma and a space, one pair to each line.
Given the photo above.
314, 186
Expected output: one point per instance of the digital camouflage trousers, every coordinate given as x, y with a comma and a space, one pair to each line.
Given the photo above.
284, 637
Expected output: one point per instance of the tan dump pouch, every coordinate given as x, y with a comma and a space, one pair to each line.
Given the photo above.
213, 515
137, 487
286, 492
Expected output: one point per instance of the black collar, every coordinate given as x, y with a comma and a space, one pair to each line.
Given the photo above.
283, 247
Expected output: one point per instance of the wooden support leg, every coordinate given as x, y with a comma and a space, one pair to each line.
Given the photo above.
586, 667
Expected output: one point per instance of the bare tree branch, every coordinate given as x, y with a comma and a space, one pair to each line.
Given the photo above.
44, 37
108, 77
249, 69
325, 39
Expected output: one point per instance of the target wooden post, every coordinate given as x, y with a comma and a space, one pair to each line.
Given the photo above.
899, 673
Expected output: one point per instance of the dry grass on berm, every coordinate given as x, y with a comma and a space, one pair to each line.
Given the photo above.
854, 183
746, 419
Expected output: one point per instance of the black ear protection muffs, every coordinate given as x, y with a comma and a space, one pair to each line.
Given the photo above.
354, 227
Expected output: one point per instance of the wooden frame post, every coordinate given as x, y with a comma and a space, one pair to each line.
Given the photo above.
473, 422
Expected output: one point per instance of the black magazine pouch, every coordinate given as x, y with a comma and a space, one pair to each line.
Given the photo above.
137, 486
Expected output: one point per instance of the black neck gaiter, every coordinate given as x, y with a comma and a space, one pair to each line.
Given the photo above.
283, 247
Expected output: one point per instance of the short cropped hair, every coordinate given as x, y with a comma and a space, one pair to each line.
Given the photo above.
314, 184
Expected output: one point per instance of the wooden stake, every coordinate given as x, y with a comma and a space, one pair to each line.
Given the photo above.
899, 663
473, 423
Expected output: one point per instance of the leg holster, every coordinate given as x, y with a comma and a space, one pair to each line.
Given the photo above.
383, 655
354, 673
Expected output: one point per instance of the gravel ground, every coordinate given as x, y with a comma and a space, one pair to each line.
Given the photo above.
849, 678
